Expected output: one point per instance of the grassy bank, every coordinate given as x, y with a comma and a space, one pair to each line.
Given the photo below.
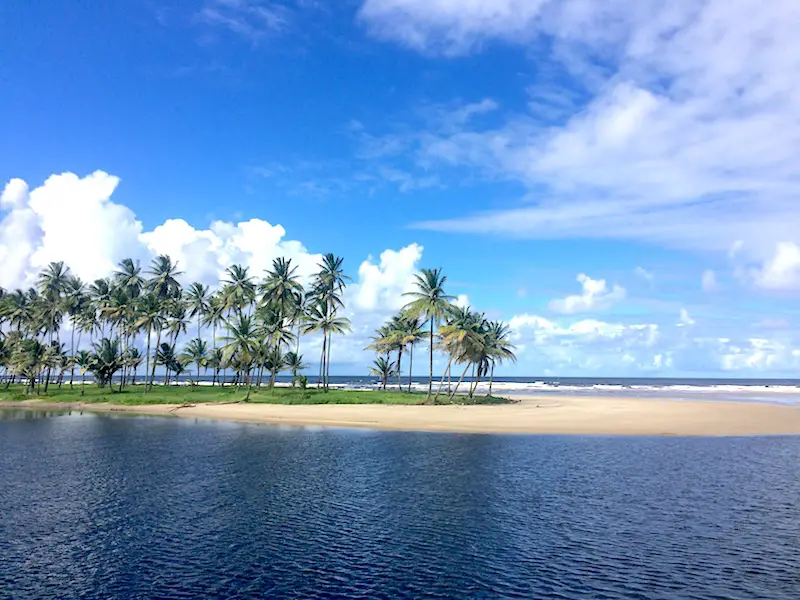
195, 395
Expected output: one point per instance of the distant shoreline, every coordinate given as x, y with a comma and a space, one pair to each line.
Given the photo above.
543, 415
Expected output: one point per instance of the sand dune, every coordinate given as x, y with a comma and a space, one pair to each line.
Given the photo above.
534, 415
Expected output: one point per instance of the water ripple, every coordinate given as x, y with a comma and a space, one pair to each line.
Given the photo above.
106, 507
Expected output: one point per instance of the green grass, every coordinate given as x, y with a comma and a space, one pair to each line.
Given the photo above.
195, 395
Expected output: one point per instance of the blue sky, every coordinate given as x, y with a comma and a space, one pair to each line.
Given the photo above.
518, 144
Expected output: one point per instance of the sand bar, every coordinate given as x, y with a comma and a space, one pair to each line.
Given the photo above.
532, 415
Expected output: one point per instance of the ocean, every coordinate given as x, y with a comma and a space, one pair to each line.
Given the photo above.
103, 506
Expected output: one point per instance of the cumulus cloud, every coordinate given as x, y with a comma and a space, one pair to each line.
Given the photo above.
596, 295
688, 126
74, 219
782, 270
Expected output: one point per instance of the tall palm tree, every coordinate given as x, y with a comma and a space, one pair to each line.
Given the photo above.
281, 286
240, 291
460, 336
329, 284
164, 275
197, 298
54, 279
76, 302
412, 333
100, 294
129, 277
28, 360
319, 319
151, 318
432, 303
165, 356
133, 360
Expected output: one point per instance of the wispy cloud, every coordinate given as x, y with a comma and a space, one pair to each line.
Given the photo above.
253, 20
688, 138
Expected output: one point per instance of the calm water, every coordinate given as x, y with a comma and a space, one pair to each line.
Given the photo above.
114, 507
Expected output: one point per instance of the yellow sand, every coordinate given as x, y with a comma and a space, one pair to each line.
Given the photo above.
538, 415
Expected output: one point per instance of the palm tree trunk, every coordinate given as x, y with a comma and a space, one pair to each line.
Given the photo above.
491, 379
453, 395
477, 382
83, 383
441, 383
72, 355
399, 375
322, 359
153, 371
147, 357
430, 380
328, 361
410, 365
247, 383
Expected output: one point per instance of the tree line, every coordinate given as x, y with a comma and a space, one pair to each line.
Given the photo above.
139, 316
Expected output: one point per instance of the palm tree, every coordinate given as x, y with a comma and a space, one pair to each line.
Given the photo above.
459, 338
239, 290
107, 360
76, 302
384, 369
214, 362
498, 347
129, 277
165, 356
196, 352
83, 361
274, 363
319, 319
197, 299
241, 344
281, 286
329, 284
100, 294
164, 275
177, 321
294, 362
54, 279
412, 335
430, 302
214, 316
150, 317
28, 360
133, 360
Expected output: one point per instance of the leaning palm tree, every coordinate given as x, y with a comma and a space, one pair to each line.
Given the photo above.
430, 302
459, 338
383, 369
163, 282
499, 349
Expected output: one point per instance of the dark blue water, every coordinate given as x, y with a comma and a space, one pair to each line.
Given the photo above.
115, 507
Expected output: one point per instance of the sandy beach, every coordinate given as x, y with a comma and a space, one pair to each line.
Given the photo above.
531, 415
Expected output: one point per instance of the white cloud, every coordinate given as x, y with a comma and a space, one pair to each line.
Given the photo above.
73, 219
15, 194
449, 26
708, 282
685, 320
251, 19
689, 130
782, 270
595, 296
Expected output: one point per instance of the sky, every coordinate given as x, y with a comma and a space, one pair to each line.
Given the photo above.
619, 181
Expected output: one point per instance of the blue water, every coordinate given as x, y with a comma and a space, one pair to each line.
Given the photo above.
130, 507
